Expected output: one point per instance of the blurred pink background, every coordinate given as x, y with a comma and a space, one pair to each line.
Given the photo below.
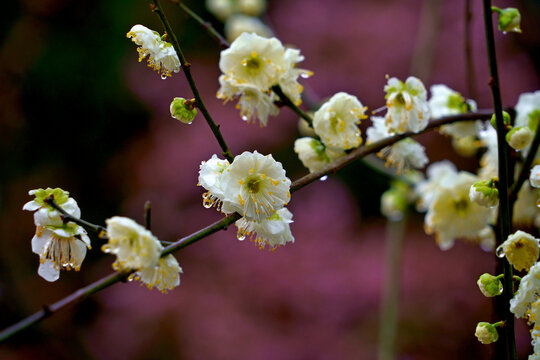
318, 298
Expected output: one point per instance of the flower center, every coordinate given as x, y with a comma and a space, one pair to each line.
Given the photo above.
461, 206
253, 62
253, 184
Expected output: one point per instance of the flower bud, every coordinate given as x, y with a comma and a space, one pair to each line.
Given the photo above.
484, 193
534, 178
183, 110
509, 19
507, 120
251, 7
521, 250
393, 204
489, 285
486, 333
466, 146
519, 137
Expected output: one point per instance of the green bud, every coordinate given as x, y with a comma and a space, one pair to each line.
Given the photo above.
509, 19
484, 193
60, 196
486, 333
519, 137
490, 285
183, 110
507, 120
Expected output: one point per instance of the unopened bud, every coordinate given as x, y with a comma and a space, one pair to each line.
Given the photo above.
486, 333
490, 285
507, 120
509, 19
484, 193
183, 110
519, 137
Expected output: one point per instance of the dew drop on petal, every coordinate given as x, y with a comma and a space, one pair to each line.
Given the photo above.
163, 77
245, 118
323, 178
304, 75
500, 252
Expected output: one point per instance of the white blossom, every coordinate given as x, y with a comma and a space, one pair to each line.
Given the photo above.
313, 154
452, 215
60, 246
534, 178
255, 186
253, 103
519, 137
336, 122
134, 246
528, 292
274, 231
165, 275
408, 109
210, 173
161, 55
238, 24
439, 175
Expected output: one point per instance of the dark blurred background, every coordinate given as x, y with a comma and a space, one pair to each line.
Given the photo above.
77, 111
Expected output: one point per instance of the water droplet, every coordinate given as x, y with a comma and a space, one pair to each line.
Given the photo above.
304, 75
245, 118
163, 77
323, 178
500, 251
240, 235
207, 203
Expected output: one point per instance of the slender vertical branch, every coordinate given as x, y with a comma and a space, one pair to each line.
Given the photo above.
186, 68
470, 75
388, 320
504, 209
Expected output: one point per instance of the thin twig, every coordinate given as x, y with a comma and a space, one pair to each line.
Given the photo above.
504, 208
287, 102
226, 221
68, 217
207, 26
186, 68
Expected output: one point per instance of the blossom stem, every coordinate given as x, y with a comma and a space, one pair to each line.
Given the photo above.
221, 224
524, 174
186, 68
207, 26
287, 102
504, 209
97, 228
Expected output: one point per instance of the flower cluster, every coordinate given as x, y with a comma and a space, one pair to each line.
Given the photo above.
256, 187
451, 214
161, 55
251, 66
137, 249
60, 245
